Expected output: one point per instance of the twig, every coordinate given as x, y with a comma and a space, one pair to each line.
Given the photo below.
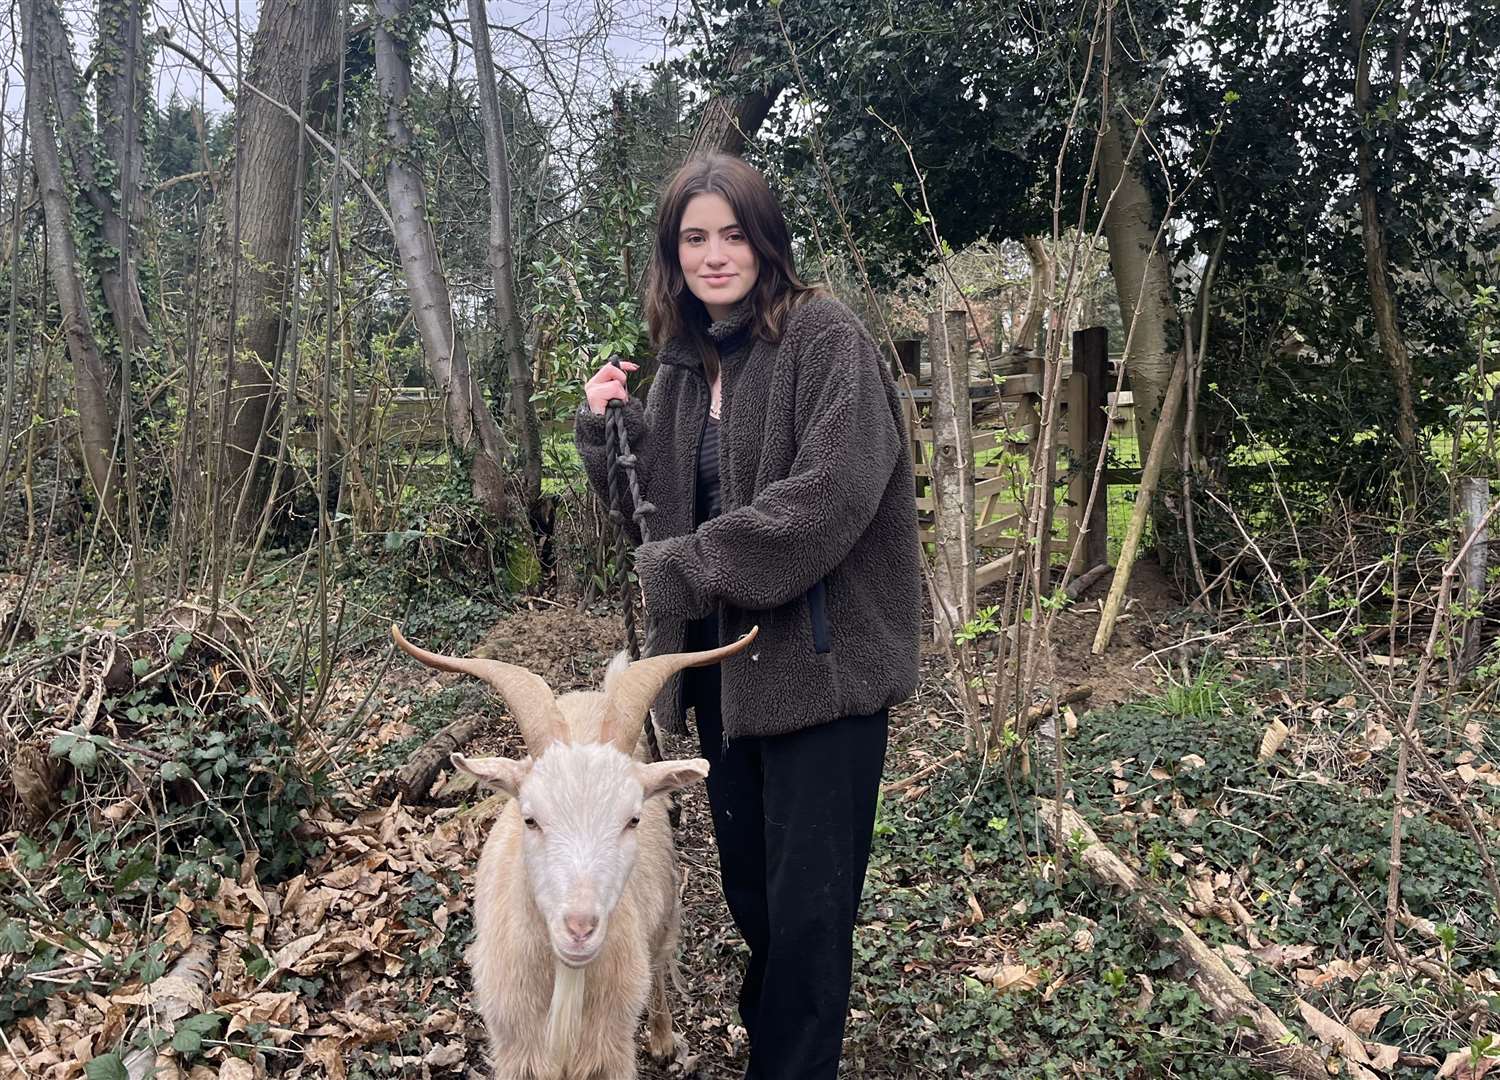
1020, 723
1149, 477
922, 774
1404, 723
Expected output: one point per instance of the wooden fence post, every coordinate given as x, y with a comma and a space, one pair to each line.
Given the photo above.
1088, 430
952, 471
1027, 418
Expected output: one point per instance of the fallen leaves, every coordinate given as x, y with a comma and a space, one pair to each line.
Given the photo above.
354, 920
1361, 1057
1275, 736
1468, 1065
1377, 736
1006, 978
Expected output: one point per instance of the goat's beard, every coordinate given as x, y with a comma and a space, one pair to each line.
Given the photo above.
565, 1014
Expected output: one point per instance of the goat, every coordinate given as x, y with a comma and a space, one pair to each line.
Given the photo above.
576, 911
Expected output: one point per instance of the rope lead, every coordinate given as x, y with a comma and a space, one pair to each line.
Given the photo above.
622, 478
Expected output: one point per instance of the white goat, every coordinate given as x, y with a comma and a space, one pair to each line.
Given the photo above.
576, 910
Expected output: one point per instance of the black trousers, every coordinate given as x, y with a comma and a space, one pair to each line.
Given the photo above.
793, 816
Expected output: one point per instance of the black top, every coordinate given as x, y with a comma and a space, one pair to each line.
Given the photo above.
706, 502
706, 494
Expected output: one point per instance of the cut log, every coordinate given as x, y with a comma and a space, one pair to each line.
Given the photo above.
414, 779
1273, 1044
1080, 585
182, 991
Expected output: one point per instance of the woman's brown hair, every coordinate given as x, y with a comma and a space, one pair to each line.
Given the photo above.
671, 308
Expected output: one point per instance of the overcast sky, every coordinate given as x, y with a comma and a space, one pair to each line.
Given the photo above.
589, 44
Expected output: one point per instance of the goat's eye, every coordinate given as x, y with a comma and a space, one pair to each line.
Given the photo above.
531, 823
633, 822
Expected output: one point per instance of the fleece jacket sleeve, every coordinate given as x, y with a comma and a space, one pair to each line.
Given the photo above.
796, 529
588, 435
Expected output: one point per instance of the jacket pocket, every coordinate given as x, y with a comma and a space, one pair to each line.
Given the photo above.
817, 607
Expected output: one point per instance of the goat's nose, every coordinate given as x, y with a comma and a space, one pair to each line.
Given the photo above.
579, 925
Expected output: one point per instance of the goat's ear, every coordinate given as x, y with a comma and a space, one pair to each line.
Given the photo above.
665, 776
498, 772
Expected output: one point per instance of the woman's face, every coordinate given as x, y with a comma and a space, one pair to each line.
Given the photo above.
718, 263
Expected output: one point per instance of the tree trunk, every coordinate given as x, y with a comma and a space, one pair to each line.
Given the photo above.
1377, 268
121, 110
290, 36
97, 391
728, 120
1143, 280
1043, 278
502, 263
470, 426
121, 294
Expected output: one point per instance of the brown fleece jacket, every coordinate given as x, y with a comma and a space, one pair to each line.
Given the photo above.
817, 540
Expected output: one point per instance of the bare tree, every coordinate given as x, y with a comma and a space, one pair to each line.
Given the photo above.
121, 291
292, 40
502, 262
470, 425
97, 415
119, 109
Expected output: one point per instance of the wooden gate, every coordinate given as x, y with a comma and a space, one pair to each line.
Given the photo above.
1005, 411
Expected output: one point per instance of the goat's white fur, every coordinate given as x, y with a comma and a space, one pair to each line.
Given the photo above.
555, 1011
547, 1020
565, 1013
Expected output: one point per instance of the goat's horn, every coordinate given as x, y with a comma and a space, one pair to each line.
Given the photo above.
527, 695
637, 686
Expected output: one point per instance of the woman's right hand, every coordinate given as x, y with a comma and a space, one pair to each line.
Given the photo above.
608, 384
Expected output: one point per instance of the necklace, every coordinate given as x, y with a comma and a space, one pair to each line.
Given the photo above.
713, 410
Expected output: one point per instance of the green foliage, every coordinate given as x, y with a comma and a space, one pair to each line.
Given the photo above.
1254, 151
106, 1067
1471, 411
915, 1009
1314, 853
982, 625
1203, 696
192, 1031
443, 535
1184, 767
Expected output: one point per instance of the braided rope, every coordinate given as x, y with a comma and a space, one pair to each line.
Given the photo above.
622, 475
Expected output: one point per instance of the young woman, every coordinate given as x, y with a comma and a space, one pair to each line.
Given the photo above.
771, 445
